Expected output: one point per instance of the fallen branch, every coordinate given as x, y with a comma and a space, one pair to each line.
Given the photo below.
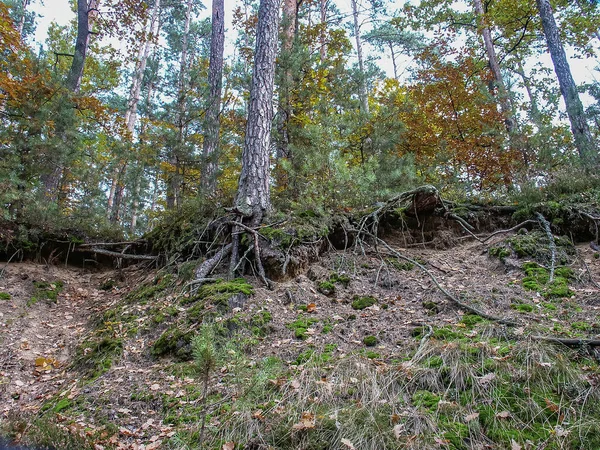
568, 342
516, 227
109, 244
102, 251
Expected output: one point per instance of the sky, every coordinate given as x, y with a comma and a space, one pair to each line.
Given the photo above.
60, 12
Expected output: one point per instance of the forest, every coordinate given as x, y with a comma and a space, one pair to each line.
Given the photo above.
300, 224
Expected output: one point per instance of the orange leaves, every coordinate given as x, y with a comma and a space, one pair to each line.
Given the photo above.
454, 124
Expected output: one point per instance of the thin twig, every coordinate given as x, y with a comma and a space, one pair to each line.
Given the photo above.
8, 262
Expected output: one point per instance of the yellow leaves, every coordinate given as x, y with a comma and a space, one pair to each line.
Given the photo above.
43, 364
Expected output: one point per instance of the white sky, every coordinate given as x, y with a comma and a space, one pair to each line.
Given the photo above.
60, 12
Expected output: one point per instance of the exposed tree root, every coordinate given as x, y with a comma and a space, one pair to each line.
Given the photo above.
204, 269
102, 251
568, 342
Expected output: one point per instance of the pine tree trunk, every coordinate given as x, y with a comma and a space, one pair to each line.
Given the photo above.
588, 152
364, 99
215, 83
85, 18
495, 68
174, 177
252, 199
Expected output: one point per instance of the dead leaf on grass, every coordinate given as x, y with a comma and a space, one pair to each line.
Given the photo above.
503, 415
471, 417
348, 444
514, 445
311, 307
228, 446
307, 422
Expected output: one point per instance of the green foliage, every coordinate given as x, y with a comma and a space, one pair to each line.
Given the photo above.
4, 296
538, 279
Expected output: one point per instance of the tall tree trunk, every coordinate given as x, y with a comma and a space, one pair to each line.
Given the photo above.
323, 33
215, 83
287, 79
174, 178
364, 99
535, 110
495, 67
588, 152
86, 13
252, 199
21, 23
116, 194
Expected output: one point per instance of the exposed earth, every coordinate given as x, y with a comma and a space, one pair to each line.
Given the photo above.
48, 313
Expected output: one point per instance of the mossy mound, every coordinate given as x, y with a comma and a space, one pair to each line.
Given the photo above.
535, 245
327, 287
361, 303
538, 279
148, 292
219, 292
174, 342
96, 355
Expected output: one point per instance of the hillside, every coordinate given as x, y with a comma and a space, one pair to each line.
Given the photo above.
358, 350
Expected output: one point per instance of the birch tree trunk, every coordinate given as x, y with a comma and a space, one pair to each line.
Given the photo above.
215, 82
115, 196
364, 99
588, 152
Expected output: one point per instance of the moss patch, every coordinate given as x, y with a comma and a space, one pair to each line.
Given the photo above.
538, 279
174, 342
360, 303
44, 290
300, 327
4, 296
219, 292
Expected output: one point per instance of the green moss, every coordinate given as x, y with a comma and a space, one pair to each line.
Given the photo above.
259, 323
537, 279
400, 265
326, 288
426, 399
500, 252
470, 320
174, 342
300, 326
581, 326
44, 290
219, 292
361, 303
445, 333
522, 307
370, 341
4, 296
342, 279
61, 405
327, 328
535, 245
549, 306
372, 355
95, 356
151, 291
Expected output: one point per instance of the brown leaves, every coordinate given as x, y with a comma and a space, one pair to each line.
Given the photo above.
307, 422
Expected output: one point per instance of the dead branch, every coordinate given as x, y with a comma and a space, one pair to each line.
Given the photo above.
568, 342
204, 269
102, 251
516, 227
109, 244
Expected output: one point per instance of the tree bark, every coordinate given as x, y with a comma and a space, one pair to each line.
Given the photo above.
174, 177
495, 67
86, 13
588, 152
215, 82
323, 33
21, 23
115, 197
364, 98
252, 199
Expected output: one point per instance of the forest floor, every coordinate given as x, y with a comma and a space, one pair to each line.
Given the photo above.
81, 365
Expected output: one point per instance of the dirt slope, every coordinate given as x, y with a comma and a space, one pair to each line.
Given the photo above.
40, 332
